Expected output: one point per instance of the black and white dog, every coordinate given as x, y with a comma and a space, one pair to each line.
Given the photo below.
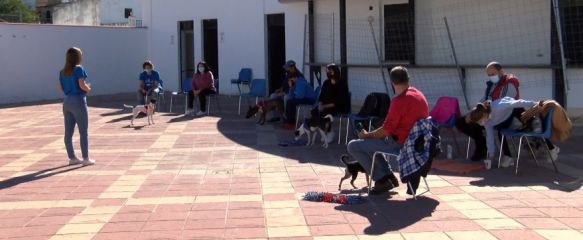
314, 125
352, 170
147, 109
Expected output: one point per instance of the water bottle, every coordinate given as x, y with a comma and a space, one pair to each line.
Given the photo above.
449, 152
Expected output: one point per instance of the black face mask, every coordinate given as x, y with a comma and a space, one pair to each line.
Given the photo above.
330, 75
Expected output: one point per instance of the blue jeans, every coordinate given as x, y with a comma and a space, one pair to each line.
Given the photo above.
362, 151
75, 113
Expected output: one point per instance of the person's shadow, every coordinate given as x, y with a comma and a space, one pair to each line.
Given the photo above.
11, 182
392, 215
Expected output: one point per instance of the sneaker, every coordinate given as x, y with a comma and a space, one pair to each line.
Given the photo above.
75, 161
200, 113
88, 162
288, 126
554, 154
189, 111
506, 162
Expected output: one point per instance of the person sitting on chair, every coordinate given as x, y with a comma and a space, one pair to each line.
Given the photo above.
203, 84
300, 92
280, 94
499, 85
502, 114
406, 108
334, 94
149, 83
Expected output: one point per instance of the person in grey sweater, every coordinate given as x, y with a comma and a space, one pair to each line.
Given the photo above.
498, 115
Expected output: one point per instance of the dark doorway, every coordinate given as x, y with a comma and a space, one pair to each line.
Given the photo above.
275, 50
186, 49
210, 44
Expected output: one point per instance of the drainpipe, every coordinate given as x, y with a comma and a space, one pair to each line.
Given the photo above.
311, 40
343, 52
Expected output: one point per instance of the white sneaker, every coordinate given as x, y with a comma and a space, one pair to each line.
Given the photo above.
200, 113
74, 161
554, 154
189, 111
88, 162
506, 162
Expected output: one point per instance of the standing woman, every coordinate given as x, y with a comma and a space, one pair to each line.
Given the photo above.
72, 83
203, 84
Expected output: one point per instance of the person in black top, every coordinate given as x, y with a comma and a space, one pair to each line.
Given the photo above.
334, 96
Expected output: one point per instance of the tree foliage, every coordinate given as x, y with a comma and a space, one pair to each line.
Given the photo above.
16, 11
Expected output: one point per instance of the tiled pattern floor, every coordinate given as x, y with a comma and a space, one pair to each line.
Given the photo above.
214, 178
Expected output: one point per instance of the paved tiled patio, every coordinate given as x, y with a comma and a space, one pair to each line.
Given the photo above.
213, 178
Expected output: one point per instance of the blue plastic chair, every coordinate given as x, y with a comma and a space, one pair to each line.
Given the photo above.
313, 105
546, 134
351, 117
185, 87
245, 76
257, 89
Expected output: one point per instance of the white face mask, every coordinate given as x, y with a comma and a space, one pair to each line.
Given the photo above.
494, 79
201, 69
149, 71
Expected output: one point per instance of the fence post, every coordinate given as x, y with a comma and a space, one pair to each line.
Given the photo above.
459, 70
557, 13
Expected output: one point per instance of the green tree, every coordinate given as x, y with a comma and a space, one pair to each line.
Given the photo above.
16, 11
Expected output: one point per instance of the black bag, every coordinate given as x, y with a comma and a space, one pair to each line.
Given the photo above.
377, 105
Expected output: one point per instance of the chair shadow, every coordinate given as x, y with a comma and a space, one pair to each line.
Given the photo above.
11, 182
388, 216
182, 118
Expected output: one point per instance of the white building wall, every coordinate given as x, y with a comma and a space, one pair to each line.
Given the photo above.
113, 11
84, 12
32, 56
241, 28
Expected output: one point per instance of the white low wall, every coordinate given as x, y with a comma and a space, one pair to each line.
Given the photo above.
32, 55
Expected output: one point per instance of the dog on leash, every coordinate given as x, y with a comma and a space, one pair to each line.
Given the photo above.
263, 108
147, 109
352, 170
312, 126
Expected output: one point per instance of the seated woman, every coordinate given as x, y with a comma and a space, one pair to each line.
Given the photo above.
203, 84
334, 94
300, 93
499, 115
150, 83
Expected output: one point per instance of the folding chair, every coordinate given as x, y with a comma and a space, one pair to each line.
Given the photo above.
387, 156
245, 76
215, 96
352, 117
546, 134
185, 87
300, 106
257, 89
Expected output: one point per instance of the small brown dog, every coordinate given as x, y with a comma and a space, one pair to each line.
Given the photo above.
263, 108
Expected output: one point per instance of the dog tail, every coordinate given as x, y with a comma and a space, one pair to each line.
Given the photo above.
329, 116
344, 159
127, 106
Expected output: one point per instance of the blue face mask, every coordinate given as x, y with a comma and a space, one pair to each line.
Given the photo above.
495, 79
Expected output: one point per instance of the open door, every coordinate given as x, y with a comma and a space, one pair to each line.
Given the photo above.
210, 44
186, 49
275, 50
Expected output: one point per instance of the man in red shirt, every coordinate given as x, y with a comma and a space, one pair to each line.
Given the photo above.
406, 108
498, 86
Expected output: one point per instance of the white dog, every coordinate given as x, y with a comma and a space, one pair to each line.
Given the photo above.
147, 109
322, 126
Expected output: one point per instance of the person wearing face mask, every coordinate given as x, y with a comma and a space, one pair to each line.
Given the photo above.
203, 84
149, 83
334, 94
498, 85
498, 115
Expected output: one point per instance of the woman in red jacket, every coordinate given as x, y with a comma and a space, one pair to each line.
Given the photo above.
203, 84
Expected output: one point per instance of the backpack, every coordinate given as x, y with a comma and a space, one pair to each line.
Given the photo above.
377, 105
